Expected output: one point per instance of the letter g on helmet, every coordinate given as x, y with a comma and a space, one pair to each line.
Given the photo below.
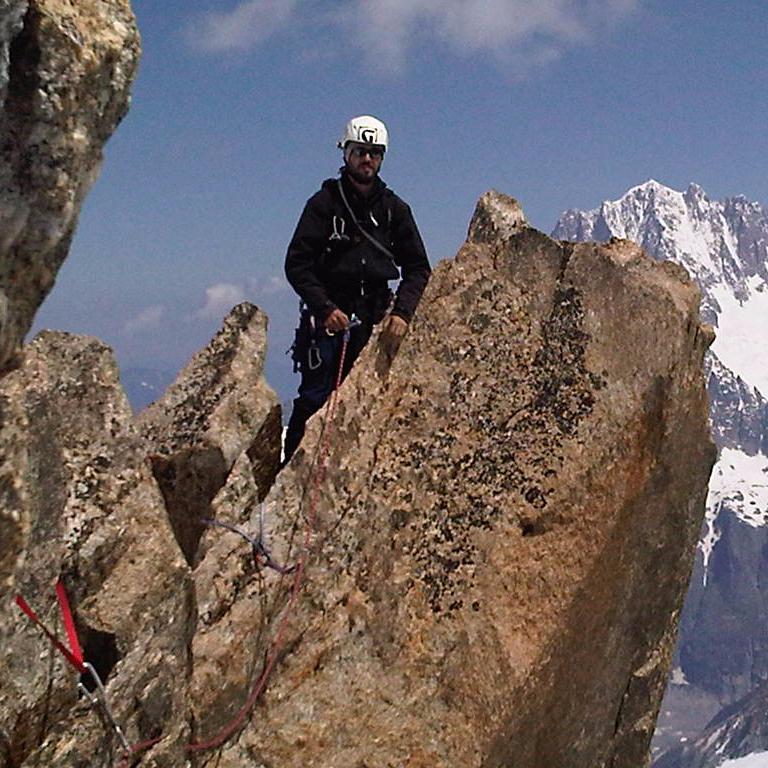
365, 129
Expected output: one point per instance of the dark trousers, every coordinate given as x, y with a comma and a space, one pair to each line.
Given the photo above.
319, 370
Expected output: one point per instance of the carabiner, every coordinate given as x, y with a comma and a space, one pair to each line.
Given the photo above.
354, 322
99, 697
314, 361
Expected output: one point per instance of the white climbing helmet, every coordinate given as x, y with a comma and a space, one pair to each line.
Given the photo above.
365, 129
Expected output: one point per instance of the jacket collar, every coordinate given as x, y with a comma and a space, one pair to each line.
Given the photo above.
353, 195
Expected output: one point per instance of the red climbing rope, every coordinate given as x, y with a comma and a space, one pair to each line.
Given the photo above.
298, 578
73, 654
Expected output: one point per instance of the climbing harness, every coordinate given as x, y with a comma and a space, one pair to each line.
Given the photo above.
74, 656
306, 343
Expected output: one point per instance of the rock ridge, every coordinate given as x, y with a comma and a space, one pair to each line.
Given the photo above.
496, 556
448, 453
85, 506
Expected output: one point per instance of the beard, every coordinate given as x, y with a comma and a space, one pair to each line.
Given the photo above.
361, 177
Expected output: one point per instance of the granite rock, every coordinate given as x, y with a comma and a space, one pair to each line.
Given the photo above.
499, 551
82, 505
481, 545
218, 407
91, 515
65, 73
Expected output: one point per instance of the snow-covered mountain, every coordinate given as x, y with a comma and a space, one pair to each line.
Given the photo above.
723, 244
754, 760
723, 646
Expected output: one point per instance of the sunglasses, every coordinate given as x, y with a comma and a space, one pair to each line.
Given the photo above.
375, 152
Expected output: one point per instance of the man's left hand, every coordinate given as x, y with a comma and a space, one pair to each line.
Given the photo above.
394, 325
393, 329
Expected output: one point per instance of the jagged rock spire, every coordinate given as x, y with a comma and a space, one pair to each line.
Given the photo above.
65, 73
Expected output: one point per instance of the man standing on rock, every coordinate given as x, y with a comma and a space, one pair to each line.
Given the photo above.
354, 236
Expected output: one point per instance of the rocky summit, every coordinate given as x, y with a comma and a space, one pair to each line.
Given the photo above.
476, 558
65, 72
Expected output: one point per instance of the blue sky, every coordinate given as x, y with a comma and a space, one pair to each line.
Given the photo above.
238, 105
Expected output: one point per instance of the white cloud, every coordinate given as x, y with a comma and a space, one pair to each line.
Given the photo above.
219, 299
244, 26
386, 30
269, 286
147, 320
508, 29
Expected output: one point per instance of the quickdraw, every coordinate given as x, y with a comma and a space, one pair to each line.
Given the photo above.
260, 552
98, 698
74, 656
339, 229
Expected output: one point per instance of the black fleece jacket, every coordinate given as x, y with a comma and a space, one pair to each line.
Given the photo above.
329, 263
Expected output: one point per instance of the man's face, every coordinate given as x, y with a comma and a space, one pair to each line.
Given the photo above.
363, 161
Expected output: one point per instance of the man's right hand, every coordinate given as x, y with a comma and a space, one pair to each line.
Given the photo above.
336, 321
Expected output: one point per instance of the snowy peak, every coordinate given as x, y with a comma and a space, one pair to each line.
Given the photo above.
717, 241
722, 244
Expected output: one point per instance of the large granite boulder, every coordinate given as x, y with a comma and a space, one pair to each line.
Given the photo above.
500, 547
484, 551
65, 72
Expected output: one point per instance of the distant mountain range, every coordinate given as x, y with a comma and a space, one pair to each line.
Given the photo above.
722, 655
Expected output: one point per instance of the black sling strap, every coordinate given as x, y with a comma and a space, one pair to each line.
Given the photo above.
370, 238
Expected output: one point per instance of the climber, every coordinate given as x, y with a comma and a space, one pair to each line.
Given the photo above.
353, 237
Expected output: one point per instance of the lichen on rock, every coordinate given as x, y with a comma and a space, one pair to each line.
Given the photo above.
65, 73
507, 524
85, 507
486, 571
